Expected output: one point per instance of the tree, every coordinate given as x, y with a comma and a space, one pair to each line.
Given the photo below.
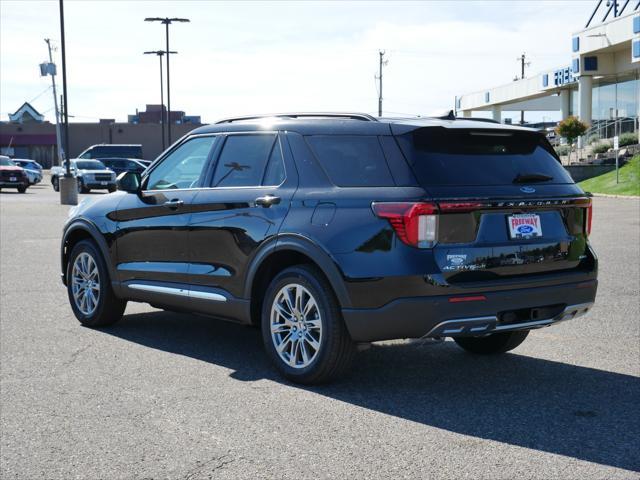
571, 128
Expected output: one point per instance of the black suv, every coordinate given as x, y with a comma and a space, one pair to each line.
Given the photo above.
332, 230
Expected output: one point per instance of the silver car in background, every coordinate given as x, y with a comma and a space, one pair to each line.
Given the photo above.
91, 175
32, 168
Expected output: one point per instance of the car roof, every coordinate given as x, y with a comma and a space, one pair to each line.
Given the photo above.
116, 145
347, 123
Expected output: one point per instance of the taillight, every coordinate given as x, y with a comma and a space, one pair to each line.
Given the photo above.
416, 224
589, 216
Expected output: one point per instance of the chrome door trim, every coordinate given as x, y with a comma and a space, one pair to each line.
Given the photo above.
158, 289
207, 295
182, 292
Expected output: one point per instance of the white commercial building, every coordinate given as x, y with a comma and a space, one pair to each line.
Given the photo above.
601, 85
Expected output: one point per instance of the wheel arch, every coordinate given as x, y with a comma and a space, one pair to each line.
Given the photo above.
285, 252
83, 230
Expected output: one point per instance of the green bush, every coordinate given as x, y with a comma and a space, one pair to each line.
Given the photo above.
593, 139
601, 147
628, 139
562, 150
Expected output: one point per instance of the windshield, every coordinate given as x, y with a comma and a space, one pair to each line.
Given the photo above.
5, 162
90, 165
441, 156
115, 151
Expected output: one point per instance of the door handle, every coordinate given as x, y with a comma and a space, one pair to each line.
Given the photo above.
173, 204
267, 201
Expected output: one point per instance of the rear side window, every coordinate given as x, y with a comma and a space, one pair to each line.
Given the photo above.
441, 156
352, 161
243, 160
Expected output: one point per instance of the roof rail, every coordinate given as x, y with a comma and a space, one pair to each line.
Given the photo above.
349, 116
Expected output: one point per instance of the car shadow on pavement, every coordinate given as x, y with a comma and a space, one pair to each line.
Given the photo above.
579, 412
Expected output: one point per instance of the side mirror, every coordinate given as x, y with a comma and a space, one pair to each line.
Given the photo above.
128, 182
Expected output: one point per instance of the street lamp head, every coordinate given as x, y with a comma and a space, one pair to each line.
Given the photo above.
158, 52
166, 20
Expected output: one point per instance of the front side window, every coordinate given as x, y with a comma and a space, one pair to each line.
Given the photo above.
183, 167
243, 160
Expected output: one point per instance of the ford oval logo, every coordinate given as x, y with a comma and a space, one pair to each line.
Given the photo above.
527, 190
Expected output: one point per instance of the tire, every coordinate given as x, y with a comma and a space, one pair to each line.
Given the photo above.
492, 344
112, 189
22, 189
82, 188
322, 326
108, 308
56, 184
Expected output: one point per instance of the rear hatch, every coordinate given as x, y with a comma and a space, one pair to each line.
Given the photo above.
505, 205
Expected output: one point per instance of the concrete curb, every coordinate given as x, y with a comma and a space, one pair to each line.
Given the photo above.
606, 195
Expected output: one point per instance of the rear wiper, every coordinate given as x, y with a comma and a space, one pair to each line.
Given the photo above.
531, 177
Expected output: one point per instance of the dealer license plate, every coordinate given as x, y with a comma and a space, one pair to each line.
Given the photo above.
524, 226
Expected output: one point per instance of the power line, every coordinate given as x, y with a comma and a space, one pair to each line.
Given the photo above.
40, 94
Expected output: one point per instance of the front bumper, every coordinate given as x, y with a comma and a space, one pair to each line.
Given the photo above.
5, 184
99, 185
520, 309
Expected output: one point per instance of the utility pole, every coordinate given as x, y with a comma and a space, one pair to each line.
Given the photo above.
379, 78
167, 21
51, 70
523, 63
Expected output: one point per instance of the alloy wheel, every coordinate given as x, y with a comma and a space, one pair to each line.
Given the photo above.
85, 283
296, 326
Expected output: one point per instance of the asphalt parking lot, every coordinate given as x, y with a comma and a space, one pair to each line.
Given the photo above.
163, 395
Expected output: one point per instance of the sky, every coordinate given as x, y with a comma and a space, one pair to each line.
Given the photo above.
240, 58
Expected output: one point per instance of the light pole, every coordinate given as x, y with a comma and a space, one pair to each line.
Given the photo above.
160, 54
68, 185
167, 21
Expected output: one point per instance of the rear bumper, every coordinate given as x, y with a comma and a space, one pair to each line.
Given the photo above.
520, 309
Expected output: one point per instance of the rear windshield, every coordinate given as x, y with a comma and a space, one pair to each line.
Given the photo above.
352, 161
118, 151
441, 156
